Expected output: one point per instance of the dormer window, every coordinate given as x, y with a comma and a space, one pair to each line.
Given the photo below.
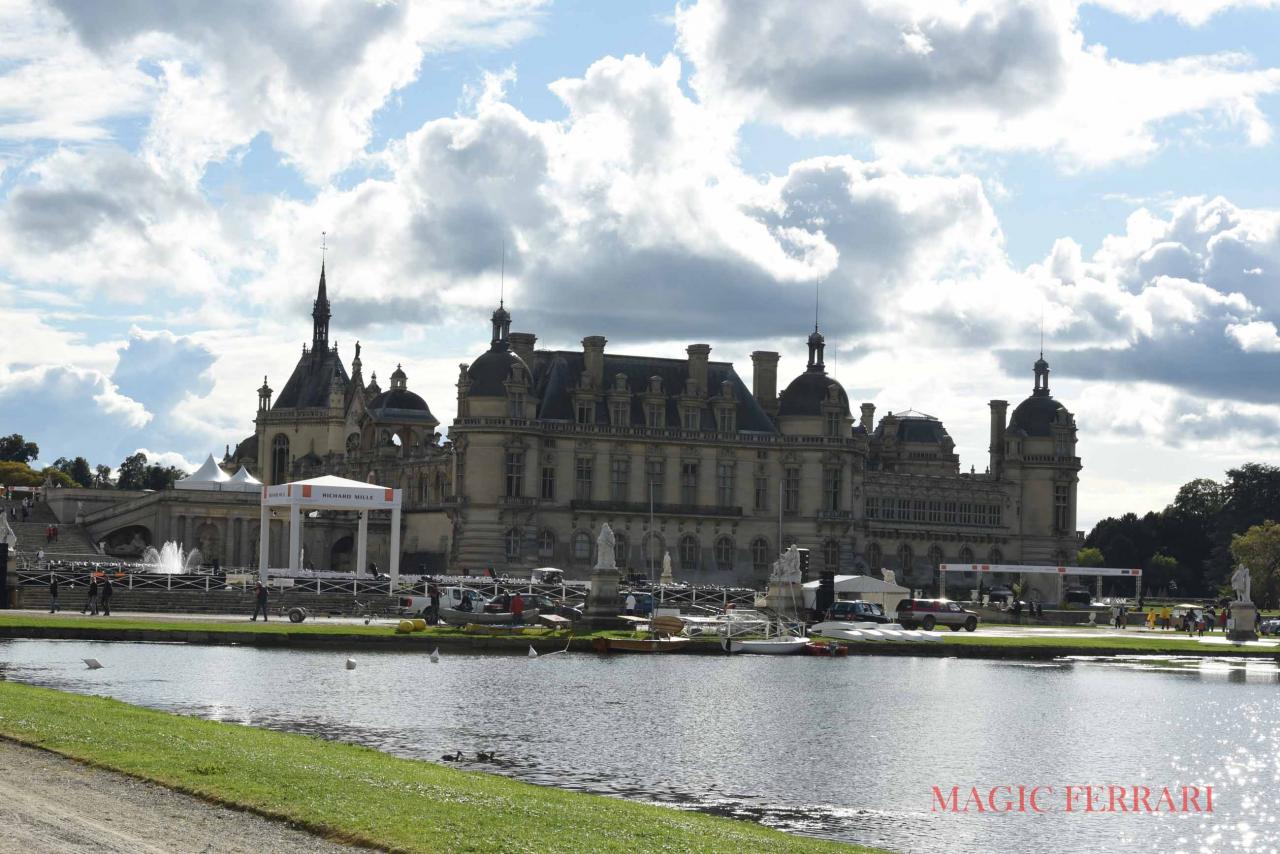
834, 424
692, 419
654, 415
515, 404
585, 412
725, 421
619, 413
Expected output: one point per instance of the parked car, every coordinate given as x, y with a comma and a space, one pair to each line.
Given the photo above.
927, 613
1270, 626
644, 602
856, 611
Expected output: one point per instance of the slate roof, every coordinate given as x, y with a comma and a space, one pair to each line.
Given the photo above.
808, 392
917, 428
400, 405
308, 386
1036, 415
555, 373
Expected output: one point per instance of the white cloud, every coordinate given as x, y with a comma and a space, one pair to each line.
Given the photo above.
1004, 75
1256, 336
1192, 12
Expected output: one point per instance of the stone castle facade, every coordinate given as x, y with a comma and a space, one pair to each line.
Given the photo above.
548, 445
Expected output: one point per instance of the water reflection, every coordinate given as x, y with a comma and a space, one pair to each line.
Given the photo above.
848, 749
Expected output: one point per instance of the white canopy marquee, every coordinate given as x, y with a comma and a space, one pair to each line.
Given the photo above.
329, 493
210, 477
1059, 571
864, 587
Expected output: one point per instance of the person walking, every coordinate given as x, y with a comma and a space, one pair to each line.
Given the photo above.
434, 592
260, 602
630, 605
104, 594
53, 595
91, 603
517, 609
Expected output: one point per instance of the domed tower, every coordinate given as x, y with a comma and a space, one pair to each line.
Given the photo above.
1040, 456
497, 383
398, 412
815, 404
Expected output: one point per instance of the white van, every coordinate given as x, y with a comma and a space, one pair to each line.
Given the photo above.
450, 597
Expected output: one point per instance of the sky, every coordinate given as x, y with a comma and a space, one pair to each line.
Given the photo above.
952, 181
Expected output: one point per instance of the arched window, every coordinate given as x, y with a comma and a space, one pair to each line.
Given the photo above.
512, 539
761, 557
724, 554
621, 550
995, 556
935, 556
546, 544
689, 551
875, 557
905, 558
966, 555
280, 459
652, 547
831, 555
582, 547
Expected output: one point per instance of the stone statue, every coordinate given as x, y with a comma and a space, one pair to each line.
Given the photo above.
786, 569
1241, 582
604, 545
889, 576
667, 577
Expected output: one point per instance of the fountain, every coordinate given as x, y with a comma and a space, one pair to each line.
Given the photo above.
171, 559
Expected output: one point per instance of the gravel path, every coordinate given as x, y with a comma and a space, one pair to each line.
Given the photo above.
53, 805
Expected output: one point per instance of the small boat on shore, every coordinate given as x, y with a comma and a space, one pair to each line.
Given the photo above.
455, 617
663, 644
764, 646
830, 650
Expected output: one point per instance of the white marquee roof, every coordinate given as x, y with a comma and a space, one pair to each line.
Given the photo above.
244, 477
208, 476
860, 584
333, 492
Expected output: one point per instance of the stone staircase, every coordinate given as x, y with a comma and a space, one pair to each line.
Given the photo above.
73, 541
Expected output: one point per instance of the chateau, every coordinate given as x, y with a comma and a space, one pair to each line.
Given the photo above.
549, 444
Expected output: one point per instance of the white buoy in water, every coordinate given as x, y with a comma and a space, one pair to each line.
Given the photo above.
435, 656
351, 664
93, 663
533, 653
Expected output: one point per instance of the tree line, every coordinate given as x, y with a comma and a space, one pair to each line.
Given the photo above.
135, 472
1189, 548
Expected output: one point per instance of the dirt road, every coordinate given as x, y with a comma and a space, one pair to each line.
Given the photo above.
52, 805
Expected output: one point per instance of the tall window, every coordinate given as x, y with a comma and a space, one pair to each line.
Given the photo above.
689, 551
791, 490
995, 556
582, 547
761, 557
966, 513
620, 412
548, 490
831, 555
831, 488
724, 484
656, 474
966, 556
949, 512
935, 556
935, 511
586, 412
582, 478
873, 507
619, 478
875, 557
546, 544
653, 414
762, 492
512, 539
280, 459
905, 558
833, 424
515, 473
724, 554
515, 404
621, 551
689, 483
1061, 507
725, 420
919, 510
692, 419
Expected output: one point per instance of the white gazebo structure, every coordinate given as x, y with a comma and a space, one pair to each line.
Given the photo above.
1060, 571
209, 476
329, 493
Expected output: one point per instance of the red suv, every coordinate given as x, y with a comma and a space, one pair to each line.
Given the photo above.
927, 613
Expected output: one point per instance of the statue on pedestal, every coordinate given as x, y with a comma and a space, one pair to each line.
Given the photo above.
785, 594
605, 544
667, 577
1241, 583
603, 603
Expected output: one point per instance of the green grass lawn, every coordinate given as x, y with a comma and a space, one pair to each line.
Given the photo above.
1173, 643
360, 795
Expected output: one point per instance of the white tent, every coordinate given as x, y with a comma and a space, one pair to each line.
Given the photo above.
333, 493
242, 481
862, 587
209, 476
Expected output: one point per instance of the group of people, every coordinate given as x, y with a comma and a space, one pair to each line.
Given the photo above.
1191, 622
99, 596
25, 506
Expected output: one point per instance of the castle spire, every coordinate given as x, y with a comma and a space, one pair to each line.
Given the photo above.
320, 313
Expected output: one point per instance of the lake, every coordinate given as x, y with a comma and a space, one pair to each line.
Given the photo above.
846, 749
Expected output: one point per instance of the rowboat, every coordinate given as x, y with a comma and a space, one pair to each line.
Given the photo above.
764, 646
663, 644
461, 618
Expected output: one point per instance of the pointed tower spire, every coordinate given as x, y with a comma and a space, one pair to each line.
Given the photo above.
320, 313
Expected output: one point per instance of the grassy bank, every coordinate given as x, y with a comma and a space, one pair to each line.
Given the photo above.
1136, 644
359, 795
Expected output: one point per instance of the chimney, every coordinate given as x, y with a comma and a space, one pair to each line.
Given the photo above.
868, 419
593, 355
764, 379
698, 354
998, 421
521, 344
